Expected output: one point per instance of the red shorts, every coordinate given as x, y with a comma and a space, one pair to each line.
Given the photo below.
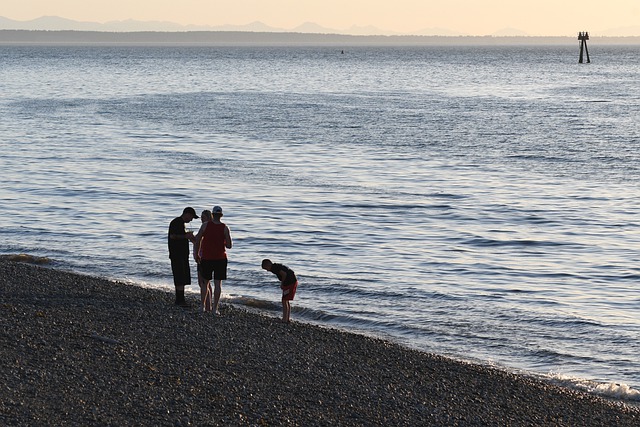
292, 291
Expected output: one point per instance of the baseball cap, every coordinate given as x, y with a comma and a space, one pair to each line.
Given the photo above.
190, 210
217, 210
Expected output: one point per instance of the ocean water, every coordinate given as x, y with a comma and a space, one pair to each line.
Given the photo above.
477, 202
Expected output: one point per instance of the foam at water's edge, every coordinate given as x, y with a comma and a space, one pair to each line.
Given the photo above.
611, 390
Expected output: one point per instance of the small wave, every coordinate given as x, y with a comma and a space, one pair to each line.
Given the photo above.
447, 196
308, 314
253, 302
608, 390
484, 242
610, 278
30, 259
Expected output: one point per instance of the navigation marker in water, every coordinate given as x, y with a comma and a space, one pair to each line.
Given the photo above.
583, 37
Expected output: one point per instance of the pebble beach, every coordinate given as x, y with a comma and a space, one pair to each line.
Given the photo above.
82, 350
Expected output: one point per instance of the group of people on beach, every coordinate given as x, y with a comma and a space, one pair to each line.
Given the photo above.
210, 246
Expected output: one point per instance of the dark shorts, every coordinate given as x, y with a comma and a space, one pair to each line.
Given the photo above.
181, 271
215, 269
292, 291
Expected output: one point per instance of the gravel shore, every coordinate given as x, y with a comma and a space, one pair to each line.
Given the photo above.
80, 350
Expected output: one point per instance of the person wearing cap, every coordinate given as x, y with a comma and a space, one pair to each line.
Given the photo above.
214, 238
288, 284
206, 293
179, 239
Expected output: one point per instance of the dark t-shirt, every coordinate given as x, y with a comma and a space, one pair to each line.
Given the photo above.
178, 248
291, 276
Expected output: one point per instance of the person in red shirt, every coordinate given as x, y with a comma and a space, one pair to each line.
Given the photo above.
210, 251
206, 292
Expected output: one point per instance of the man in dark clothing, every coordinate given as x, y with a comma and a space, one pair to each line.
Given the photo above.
179, 252
288, 284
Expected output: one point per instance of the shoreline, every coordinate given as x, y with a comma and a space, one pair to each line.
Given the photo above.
85, 350
269, 38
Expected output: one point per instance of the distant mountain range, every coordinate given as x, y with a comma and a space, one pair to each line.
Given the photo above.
55, 23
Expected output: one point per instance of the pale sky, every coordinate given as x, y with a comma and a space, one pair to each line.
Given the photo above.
475, 17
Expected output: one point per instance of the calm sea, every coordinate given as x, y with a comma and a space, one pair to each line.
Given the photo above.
477, 202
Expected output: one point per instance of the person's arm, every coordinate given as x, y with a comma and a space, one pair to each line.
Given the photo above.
177, 233
282, 275
227, 238
187, 235
197, 242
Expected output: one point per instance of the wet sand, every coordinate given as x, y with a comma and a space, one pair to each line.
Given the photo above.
81, 350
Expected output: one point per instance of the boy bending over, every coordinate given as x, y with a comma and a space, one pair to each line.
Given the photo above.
288, 284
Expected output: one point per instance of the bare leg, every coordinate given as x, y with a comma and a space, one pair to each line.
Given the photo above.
207, 304
286, 310
205, 295
216, 294
203, 291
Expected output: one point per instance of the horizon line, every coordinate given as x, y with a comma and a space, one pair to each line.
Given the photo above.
295, 32
253, 38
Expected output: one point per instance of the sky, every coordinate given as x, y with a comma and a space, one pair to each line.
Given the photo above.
473, 17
